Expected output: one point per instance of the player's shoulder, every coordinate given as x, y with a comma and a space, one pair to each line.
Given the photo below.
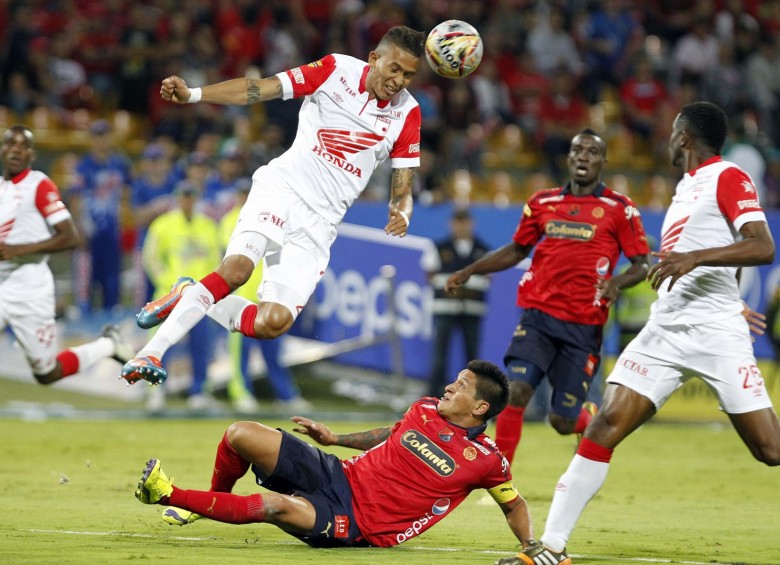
541, 197
620, 199
344, 62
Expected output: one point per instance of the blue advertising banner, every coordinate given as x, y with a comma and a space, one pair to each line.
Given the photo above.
351, 299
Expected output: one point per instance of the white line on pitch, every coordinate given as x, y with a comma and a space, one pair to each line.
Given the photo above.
413, 548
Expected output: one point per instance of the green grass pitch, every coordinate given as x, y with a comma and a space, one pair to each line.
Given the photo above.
676, 493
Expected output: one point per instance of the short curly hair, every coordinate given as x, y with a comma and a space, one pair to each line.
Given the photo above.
706, 122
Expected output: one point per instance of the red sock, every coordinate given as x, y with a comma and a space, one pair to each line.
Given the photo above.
509, 429
593, 451
582, 421
216, 285
228, 467
248, 320
220, 506
69, 362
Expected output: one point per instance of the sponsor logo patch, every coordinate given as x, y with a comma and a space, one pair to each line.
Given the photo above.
569, 230
428, 452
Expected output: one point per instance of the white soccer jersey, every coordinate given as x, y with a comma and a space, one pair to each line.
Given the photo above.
710, 205
342, 135
29, 205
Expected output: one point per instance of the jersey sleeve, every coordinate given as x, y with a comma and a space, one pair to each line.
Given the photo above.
738, 199
529, 230
306, 79
49, 203
406, 151
631, 232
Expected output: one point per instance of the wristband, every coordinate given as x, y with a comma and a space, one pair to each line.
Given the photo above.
195, 94
405, 217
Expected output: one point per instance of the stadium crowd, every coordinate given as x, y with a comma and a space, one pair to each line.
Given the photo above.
550, 69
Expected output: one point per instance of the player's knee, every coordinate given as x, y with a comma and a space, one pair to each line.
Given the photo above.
272, 321
239, 433
768, 454
562, 425
48, 378
520, 393
236, 270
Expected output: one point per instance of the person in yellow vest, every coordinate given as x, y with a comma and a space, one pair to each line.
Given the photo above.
184, 240
240, 387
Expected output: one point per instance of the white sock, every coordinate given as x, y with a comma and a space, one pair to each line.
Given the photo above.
227, 312
190, 310
90, 353
581, 481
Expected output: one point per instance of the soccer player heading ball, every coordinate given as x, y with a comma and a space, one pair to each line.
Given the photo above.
355, 115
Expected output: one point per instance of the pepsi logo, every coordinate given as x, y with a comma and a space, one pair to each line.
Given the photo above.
602, 266
440, 506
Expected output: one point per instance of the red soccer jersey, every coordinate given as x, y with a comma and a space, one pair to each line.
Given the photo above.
420, 474
579, 242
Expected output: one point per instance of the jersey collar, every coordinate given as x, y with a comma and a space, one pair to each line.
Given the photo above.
362, 88
598, 191
710, 161
20, 177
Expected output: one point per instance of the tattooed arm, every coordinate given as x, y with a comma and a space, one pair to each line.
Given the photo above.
401, 202
238, 91
322, 435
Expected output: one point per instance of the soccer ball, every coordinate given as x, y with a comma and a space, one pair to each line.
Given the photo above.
453, 49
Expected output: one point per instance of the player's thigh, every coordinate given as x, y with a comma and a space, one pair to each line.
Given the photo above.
650, 364
531, 344
571, 376
292, 274
266, 213
728, 365
34, 328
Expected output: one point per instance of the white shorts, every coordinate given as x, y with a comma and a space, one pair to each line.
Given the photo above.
30, 315
662, 358
298, 248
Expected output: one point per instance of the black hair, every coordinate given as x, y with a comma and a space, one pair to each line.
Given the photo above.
406, 38
492, 386
19, 128
706, 122
592, 133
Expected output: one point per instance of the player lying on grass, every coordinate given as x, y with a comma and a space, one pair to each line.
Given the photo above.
408, 478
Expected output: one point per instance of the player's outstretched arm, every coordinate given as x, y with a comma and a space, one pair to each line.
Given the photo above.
636, 273
401, 202
498, 260
237, 91
324, 436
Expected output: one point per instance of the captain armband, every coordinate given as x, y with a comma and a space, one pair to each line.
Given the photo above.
505, 492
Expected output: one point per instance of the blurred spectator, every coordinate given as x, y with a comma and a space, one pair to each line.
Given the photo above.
740, 149
695, 55
550, 44
67, 75
152, 195
19, 96
220, 187
772, 178
103, 176
763, 81
725, 84
527, 87
184, 241
644, 101
562, 114
240, 387
611, 39
491, 94
137, 50
462, 144
732, 16
462, 311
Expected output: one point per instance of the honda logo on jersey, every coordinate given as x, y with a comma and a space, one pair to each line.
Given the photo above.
336, 144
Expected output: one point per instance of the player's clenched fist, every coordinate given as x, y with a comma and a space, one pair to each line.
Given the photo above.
175, 89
